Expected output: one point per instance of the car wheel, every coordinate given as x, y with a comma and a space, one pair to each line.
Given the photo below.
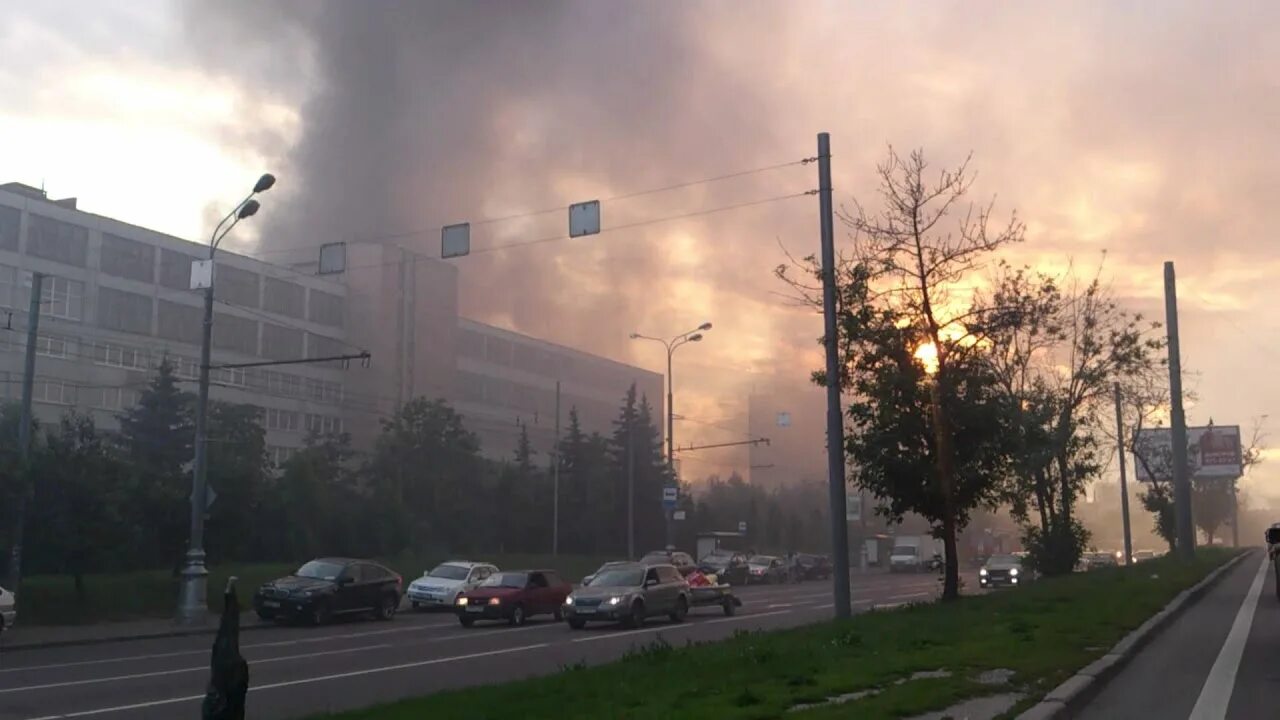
517, 615
636, 618
729, 607
262, 615
416, 605
387, 607
682, 609
577, 623
321, 613
467, 621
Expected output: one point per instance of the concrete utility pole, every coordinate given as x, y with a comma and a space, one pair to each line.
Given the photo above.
1124, 483
24, 432
192, 603
835, 423
555, 482
631, 485
1186, 544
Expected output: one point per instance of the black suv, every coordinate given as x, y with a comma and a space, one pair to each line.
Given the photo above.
326, 587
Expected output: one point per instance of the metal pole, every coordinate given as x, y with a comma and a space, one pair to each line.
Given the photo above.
24, 432
835, 424
631, 485
192, 603
671, 415
1124, 482
1235, 513
555, 483
1178, 422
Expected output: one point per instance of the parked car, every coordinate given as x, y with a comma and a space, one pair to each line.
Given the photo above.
629, 594
1095, 560
514, 596
813, 567
766, 569
441, 586
1003, 570
1143, 555
728, 567
326, 587
682, 561
8, 610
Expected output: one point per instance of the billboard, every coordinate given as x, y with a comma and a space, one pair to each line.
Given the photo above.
1213, 451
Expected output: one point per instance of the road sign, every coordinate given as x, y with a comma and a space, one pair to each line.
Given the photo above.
1213, 451
784, 419
584, 218
670, 494
455, 240
201, 274
742, 526
677, 515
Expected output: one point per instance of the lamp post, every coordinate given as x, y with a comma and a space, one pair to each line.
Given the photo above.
192, 606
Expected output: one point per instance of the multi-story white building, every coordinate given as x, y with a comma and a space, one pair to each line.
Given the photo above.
116, 302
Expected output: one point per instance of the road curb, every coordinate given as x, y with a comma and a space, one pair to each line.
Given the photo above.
211, 629
1064, 700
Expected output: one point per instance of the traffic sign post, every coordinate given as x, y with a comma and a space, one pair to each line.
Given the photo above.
670, 495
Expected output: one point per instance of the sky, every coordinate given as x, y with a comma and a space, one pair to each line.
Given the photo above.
1141, 130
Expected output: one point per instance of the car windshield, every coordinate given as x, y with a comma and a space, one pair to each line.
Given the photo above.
619, 577
449, 572
904, 550
507, 580
761, 560
1004, 560
320, 570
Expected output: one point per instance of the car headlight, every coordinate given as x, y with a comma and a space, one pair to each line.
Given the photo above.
495, 601
568, 600
1013, 572
983, 572
613, 600
462, 601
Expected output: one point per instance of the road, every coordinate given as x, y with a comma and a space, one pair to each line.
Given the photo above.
296, 671
1216, 661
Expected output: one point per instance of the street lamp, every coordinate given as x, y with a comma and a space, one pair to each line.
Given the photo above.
192, 607
694, 335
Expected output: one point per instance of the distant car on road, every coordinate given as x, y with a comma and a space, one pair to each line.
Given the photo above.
1003, 570
1143, 555
441, 586
514, 596
728, 567
1095, 560
812, 567
681, 561
327, 587
8, 610
766, 569
629, 593
905, 556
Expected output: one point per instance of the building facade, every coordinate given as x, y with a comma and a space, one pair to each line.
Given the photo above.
116, 303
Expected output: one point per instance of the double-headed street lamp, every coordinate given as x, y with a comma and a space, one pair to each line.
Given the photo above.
192, 606
694, 335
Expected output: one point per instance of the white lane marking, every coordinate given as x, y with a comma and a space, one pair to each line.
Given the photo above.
1215, 695
303, 681
779, 605
739, 618
661, 628
909, 596
202, 668
181, 653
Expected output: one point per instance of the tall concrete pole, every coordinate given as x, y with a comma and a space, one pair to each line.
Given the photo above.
835, 423
24, 432
1178, 422
1124, 482
555, 482
631, 485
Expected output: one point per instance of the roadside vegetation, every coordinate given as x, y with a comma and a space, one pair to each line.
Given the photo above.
1043, 632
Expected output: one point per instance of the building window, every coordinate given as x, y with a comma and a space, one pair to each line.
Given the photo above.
237, 377
175, 269
280, 455
231, 332
284, 297
55, 392
470, 344
235, 285
51, 346
59, 297
10, 293
323, 424
126, 311
325, 308
284, 420
57, 240
10, 221
180, 322
127, 258
497, 351
319, 346
115, 398
281, 343
105, 353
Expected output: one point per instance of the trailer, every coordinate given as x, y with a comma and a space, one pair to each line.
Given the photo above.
715, 595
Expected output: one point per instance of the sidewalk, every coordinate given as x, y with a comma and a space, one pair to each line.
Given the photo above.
46, 636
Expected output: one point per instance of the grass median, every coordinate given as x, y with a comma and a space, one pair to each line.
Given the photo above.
52, 599
1043, 632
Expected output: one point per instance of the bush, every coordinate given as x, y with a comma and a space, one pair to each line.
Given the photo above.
1057, 551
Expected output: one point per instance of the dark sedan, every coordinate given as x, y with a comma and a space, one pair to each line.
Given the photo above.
812, 567
327, 587
728, 567
765, 569
514, 597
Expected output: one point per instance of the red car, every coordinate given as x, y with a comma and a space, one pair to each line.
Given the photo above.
514, 596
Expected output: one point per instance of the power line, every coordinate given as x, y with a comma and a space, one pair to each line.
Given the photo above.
276, 321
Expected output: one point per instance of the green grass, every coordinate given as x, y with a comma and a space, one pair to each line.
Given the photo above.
52, 600
1044, 632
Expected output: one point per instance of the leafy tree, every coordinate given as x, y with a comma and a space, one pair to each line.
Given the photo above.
157, 438
238, 475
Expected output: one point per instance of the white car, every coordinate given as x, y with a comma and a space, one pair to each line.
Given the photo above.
441, 586
8, 612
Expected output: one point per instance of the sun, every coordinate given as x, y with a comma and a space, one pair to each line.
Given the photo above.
927, 354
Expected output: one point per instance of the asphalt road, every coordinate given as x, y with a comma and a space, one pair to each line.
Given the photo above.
1216, 661
296, 671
